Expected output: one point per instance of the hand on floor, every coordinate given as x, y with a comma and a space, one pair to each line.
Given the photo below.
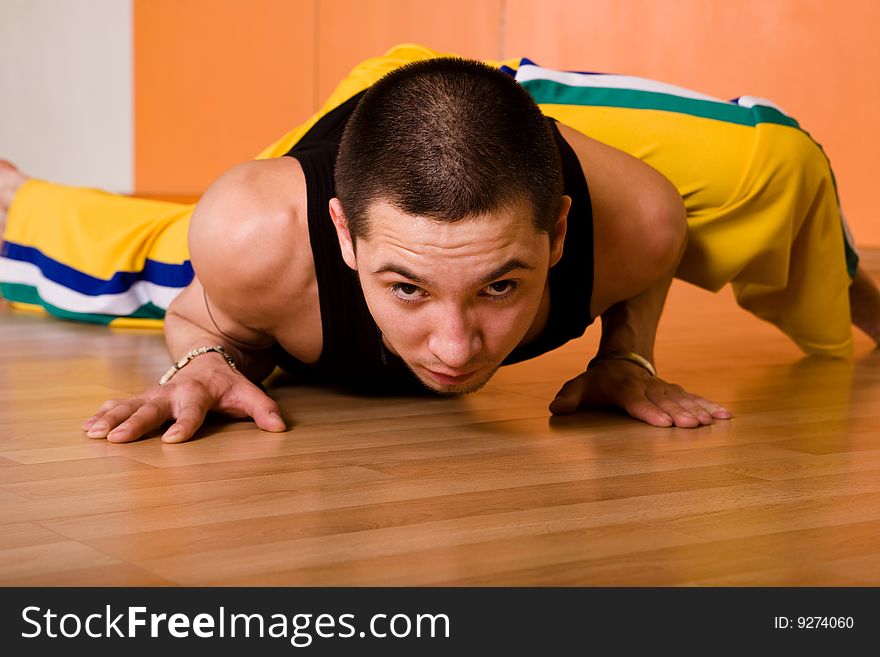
625, 385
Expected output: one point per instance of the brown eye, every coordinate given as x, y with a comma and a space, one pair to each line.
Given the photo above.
407, 291
500, 288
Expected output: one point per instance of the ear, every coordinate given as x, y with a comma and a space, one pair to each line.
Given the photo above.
345, 242
557, 239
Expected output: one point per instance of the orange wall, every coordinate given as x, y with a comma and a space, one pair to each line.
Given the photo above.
349, 31
818, 59
215, 80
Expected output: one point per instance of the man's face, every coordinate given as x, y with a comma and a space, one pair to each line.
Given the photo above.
451, 299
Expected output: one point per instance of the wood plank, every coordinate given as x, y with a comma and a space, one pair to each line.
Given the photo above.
26, 534
407, 513
482, 489
188, 499
57, 470
115, 574
49, 559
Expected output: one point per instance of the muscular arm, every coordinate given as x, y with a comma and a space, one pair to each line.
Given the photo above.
640, 233
188, 326
240, 246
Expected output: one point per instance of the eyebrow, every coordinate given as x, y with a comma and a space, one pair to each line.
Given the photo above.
507, 267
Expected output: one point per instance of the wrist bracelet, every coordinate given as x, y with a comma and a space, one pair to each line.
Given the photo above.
219, 348
631, 356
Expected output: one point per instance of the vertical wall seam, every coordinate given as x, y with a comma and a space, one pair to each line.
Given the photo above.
132, 174
316, 47
502, 27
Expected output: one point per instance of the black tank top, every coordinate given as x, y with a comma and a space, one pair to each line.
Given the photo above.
353, 355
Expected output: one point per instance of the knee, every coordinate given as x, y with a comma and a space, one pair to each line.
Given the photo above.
805, 159
664, 220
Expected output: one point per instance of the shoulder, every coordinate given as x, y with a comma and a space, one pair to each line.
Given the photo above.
249, 241
639, 221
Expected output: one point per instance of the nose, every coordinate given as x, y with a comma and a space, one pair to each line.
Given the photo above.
455, 339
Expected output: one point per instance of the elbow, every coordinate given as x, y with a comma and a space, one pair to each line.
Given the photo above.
678, 230
666, 231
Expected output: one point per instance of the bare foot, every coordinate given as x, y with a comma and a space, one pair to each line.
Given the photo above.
10, 180
864, 302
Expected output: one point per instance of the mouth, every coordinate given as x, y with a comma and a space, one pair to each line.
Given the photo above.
450, 379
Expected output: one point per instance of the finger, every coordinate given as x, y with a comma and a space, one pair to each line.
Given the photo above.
122, 410
569, 398
148, 417
717, 411
699, 406
102, 409
189, 418
689, 404
269, 419
649, 412
680, 416
258, 405
564, 404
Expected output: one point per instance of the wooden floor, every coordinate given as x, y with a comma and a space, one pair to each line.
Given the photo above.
485, 489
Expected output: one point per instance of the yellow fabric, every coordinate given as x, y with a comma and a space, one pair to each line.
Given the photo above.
95, 232
136, 323
28, 308
763, 213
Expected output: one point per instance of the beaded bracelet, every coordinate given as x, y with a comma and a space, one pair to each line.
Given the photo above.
219, 348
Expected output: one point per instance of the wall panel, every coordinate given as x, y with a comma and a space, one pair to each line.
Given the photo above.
818, 59
350, 31
66, 89
160, 96
216, 80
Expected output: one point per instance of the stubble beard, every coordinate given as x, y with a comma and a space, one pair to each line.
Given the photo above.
455, 390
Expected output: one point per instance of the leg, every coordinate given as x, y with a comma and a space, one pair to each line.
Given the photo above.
762, 208
864, 302
10, 180
88, 255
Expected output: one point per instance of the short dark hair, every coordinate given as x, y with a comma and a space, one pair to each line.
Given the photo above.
448, 139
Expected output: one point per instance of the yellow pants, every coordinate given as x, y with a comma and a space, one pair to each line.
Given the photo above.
762, 208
